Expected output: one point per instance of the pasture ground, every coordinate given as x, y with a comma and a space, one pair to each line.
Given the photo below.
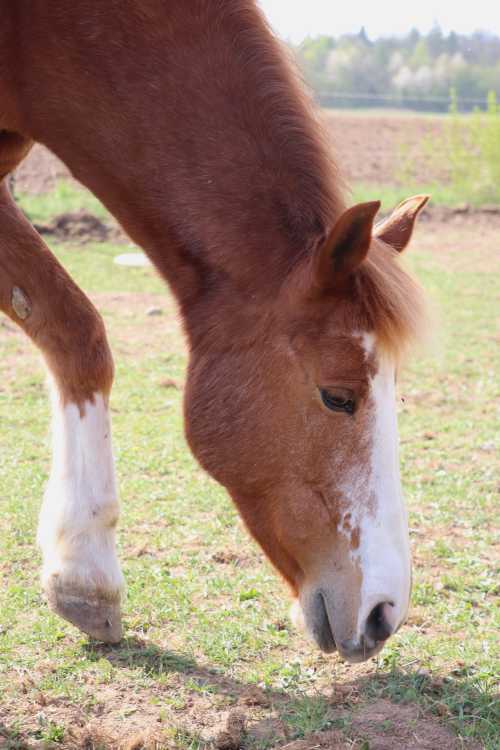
210, 658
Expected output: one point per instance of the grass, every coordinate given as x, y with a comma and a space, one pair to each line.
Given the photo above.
472, 151
206, 618
64, 196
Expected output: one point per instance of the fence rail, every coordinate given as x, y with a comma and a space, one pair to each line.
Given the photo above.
345, 99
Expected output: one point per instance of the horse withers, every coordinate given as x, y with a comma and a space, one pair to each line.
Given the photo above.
188, 122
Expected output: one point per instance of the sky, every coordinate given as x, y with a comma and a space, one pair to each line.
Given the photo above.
293, 20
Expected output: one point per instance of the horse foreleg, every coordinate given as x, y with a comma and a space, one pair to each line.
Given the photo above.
81, 575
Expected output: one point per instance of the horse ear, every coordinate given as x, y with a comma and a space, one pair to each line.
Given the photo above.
397, 229
346, 246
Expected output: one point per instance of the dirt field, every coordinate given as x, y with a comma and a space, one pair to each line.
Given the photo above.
379, 148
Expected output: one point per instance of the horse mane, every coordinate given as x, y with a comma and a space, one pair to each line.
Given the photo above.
294, 183
390, 300
296, 154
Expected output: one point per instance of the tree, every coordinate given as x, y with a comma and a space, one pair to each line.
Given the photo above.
416, 66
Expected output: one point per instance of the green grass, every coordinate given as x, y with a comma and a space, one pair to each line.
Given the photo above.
472, 152
204, 628
64, 196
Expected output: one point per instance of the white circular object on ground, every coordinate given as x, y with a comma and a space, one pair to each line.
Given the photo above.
135, 260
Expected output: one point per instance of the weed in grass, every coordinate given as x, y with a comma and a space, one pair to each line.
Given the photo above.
186, 741
52, 733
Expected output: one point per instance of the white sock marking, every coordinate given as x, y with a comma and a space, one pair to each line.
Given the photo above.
77, 521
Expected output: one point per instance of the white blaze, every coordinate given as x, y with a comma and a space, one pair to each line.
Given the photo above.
384, 551
374, 507
77, 521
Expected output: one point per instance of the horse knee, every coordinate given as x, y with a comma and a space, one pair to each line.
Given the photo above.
79, 357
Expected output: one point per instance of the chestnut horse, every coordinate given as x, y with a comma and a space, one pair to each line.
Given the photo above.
187, 121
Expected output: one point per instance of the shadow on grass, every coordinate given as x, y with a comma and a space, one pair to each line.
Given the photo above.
454, 699
136, 653
393, 707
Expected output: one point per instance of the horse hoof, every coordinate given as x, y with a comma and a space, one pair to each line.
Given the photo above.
96, 613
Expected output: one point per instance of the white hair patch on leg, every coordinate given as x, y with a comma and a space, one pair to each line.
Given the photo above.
76, 533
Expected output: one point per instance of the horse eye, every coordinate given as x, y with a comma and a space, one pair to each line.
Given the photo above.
339, 400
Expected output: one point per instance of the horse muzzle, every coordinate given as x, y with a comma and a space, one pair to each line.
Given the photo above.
329, 627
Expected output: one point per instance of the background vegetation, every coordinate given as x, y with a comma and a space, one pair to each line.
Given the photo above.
462, 167
415, 71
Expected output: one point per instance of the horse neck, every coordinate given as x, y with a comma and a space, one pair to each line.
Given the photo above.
251, 188
216, 167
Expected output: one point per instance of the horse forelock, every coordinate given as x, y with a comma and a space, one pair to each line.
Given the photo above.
390, 301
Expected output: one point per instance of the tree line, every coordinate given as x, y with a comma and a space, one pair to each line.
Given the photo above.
417, 71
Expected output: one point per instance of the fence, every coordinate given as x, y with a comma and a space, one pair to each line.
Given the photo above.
349, 100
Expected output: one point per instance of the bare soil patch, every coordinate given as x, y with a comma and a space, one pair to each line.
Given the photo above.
80, 227
372, 148
469, 240
231, 717
391, 726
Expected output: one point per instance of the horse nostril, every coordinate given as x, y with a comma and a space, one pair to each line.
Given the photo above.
377, 626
